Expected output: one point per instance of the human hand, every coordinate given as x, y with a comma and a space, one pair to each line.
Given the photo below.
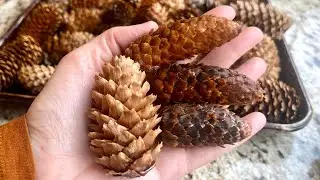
58, 122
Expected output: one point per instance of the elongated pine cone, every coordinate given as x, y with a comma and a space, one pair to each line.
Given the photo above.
123, 120
83, 19
34, 78
200, 83
60, 45
268, 51
185, 125
280, 103
264, 16
43, 21
182, 39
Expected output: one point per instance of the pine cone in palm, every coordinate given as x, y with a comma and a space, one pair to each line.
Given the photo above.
185, 125
280, 103
264, 16
43, 21
65, 42
200, 83
83, 19
182, 39
123, 121
33, 78
268, 51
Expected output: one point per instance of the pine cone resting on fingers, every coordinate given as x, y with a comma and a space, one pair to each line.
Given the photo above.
123, 121
182, 39
185, 125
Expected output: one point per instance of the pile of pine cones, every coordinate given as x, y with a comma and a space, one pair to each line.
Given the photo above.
54, 28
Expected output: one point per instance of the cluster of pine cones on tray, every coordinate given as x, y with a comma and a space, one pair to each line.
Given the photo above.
143, 98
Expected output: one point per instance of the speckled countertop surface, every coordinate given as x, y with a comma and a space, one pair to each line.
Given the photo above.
270, 154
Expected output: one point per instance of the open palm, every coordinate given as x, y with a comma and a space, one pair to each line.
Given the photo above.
57, 119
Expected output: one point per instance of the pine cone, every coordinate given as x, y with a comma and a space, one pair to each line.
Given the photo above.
22, 51
60, 45
268, 51
119, 13
43, 21
280, 103
33, 78
140, 3
123, 120
181, 40
264, 16
82, 19
202, 6
156, 12
200, 83
187, 125
88, 3
182, 14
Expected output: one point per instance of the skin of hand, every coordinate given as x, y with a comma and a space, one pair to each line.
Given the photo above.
57, 119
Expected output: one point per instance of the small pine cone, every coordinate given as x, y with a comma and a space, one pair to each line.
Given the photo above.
65, 42
8, 69
185, 125
268, 51
156, 12
43, 21
33, 78
264, 16
178, 83
182, 14
119, 13
88, 3
82, 19
280, 103
123, 121
182, 39
202, 6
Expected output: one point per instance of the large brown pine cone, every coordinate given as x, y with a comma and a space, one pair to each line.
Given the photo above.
182, 39
33, 78
123, 121
279, 105
264, 16
61, 44
84, 19
185, 125
200, 83
268, 51
43, 21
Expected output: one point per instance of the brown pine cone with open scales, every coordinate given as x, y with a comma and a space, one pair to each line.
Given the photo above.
178, 83
42, 21
182, 39
83, 19
123, 121
268, 51
34, 78
280, 103
264, 16
60, 45
185, 125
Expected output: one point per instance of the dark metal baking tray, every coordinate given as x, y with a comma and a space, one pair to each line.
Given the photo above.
288, 75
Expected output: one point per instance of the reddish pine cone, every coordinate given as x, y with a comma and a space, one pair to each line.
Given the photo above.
268, 51
43, 21
280, 103
185, 125
200, 83
264, 16
123, 120
181, 40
